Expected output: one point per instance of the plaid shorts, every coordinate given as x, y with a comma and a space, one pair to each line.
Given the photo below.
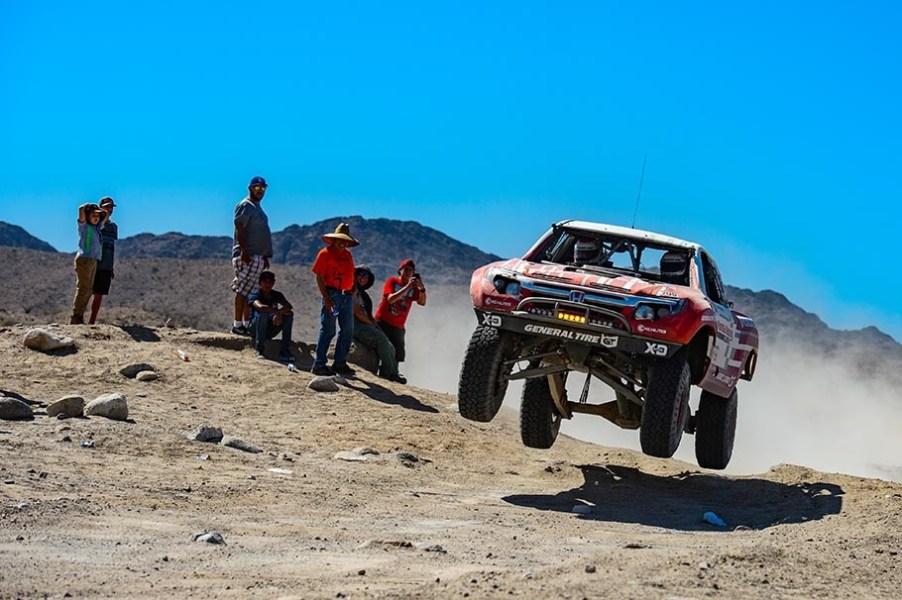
247, 277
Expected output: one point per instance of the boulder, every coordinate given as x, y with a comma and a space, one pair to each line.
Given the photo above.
111, 406
131, 371
68, 406
323, 384
364, 357
206, 433
13, 409
147, 376
212, 537
238, 444
45, 341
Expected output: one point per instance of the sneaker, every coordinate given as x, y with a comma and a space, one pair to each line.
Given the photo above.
285, 356
343, 369
396, 378
240, 330
76, 320
322, 370
259, 355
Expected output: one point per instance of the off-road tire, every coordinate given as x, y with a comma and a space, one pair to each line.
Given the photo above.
715, 429
666, 406
482, 385
539, 419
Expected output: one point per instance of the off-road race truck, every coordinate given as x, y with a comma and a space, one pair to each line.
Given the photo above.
644, 313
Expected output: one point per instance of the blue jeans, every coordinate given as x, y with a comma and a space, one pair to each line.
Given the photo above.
345, 318
262, 328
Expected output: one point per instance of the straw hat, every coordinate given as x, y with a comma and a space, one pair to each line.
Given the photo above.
342, 232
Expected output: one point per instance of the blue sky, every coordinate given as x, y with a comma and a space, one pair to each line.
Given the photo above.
772, 129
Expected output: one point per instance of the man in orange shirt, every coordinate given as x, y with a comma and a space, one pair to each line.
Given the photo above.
399, 294
334, 269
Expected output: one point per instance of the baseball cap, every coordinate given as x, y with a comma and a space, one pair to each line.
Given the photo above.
257, 181
106, 201
407, 262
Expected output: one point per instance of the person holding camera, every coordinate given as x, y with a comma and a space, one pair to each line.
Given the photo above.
91, 219
398, 295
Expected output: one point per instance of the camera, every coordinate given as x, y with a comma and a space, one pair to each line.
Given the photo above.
416, 275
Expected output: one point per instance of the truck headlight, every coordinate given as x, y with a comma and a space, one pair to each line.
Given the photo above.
644, 312
506, 286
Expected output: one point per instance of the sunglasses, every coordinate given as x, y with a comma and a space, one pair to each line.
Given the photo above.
258, 188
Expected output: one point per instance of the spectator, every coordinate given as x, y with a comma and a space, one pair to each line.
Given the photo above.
334, 269
271, 313
104, 275
365, 331
90, 224
398, 295
251, 251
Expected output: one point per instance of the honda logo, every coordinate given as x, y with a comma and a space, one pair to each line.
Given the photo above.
577, 296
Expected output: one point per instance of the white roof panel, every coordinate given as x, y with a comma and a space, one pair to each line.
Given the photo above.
627, 232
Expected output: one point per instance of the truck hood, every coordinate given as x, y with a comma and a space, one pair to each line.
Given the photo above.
561, 275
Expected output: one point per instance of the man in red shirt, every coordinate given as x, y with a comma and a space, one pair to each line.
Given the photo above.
334, 269
398, 295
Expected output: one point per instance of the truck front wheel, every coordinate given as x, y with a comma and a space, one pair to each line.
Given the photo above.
482, 377
666, 407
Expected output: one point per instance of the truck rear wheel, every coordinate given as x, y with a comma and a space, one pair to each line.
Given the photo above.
715, 429
539, 419
666, 406
482, 382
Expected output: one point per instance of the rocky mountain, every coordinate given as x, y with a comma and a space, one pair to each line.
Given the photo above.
872, 352
15, 237
383, 244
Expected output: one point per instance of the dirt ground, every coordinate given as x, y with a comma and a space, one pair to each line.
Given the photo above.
447, 508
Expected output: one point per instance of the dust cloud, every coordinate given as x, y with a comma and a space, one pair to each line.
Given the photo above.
800, 409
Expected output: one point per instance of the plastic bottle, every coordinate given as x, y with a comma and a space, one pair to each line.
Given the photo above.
183, 354
335, 311
713, 519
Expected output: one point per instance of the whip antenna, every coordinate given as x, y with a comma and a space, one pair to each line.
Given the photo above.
639, 195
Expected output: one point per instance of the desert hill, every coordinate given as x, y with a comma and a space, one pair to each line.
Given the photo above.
194, 293
384, 243
424, 503
14, 236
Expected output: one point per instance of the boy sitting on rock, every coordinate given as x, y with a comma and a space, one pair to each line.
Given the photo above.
271, 313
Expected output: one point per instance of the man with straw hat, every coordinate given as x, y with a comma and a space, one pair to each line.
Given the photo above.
334, 269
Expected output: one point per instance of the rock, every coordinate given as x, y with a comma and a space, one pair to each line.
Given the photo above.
364, 357
238, 444
111, 406
212, 537
410, 460
12, 409
323, 384
366, 450
45, 341
349, 456
206, 433
590, 568
131, 371
67, 406
147, 376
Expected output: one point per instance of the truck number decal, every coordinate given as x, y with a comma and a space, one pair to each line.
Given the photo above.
491, 320
655, 349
